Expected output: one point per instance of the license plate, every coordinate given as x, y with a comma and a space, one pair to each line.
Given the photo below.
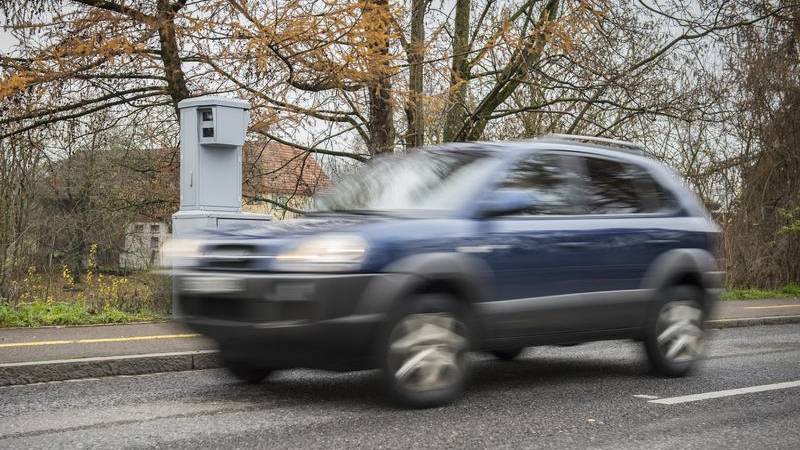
212, 285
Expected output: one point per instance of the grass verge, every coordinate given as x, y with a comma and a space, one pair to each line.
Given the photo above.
41, 313
80, 311
40, 299
786, 291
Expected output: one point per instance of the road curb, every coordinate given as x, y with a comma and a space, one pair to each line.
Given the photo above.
71, 369
752, 321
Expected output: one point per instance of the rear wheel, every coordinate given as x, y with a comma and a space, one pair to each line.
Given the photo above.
675, 337
247, 372
424, 351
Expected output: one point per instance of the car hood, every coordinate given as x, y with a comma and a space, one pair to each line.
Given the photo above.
388, 237
287, 229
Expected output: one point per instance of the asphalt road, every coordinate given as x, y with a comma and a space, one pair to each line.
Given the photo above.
573, 397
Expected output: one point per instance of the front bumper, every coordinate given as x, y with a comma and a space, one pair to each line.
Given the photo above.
281, 320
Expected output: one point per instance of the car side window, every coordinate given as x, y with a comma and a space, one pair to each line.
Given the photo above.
613, 187
550, 178
656, 198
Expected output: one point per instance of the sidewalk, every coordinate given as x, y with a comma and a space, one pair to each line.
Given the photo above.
755, 312
58, 353
49, 343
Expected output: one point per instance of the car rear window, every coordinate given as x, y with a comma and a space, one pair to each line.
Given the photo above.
614, 187
655, 197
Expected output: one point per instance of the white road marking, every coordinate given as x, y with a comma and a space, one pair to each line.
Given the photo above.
725, 393
645, 396
48, 362
83, 380
773, 306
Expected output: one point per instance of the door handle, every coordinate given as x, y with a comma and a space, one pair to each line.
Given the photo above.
481, 248
573, 244
661, 241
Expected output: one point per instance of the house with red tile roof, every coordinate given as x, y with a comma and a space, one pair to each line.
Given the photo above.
274, 174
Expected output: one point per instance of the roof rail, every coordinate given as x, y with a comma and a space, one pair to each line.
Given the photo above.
621, 145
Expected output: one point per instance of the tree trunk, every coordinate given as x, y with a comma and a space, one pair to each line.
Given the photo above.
381, 126
170, 52
381, 123
457, 112
415, 113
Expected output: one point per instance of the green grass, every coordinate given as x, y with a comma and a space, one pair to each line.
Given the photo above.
786, 291
40, 313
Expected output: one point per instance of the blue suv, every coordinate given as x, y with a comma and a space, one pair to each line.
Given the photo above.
420, 258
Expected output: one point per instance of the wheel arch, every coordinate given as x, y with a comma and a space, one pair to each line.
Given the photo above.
681, 267
466, 278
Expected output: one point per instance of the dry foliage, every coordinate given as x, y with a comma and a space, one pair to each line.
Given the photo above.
346, 80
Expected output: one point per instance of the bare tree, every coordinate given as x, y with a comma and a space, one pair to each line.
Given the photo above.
415, 108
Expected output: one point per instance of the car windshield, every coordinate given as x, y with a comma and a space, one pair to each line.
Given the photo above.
424, 180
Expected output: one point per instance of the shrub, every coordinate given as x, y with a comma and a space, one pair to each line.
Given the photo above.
100, 298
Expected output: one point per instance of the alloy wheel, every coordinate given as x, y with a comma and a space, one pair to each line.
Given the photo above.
427, 351
679, 332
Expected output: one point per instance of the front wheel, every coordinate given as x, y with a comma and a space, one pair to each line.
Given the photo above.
424, 351
675, 337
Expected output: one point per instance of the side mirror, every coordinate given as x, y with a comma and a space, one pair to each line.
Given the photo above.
507, 201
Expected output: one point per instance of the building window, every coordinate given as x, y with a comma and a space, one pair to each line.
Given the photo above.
155, 228
138, 228
154, 242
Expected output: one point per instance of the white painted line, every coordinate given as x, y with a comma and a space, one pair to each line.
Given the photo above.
81, 380
645, 396
725, 393
107, 358
771, 307
757, 320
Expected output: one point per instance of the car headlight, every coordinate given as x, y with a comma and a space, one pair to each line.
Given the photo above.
174, 251
325, 253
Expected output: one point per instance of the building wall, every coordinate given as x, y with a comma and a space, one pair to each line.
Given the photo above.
142, 244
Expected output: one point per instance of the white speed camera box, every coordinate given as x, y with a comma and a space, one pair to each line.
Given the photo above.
213, 130
212, 134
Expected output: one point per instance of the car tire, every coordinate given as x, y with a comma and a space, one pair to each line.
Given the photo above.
675, 335
507, 354
247, 372
423, 351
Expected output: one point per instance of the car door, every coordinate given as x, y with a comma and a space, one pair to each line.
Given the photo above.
534, 255
623, 228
